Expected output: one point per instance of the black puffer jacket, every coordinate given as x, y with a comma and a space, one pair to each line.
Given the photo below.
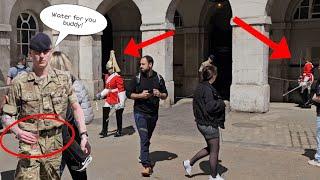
208, 106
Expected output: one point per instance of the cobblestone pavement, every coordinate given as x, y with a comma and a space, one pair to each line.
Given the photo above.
284, 126
274, 145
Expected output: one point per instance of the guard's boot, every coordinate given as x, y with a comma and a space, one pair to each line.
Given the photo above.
105, 121
118, 133
104, 131
119, 123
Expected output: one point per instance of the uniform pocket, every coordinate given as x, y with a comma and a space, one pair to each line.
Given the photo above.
58, 141
59, 101
30, 103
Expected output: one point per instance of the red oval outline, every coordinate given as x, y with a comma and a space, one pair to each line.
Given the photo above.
38, 116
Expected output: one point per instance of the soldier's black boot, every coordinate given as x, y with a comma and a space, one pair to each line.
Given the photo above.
119, 123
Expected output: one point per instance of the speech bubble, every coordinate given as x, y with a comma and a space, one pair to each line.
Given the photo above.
72, 19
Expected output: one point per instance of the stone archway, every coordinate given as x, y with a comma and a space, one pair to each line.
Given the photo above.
187, 45
202, 32
218, 39
125, 20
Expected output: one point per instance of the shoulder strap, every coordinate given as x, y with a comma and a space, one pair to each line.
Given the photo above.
160, 78
138, 78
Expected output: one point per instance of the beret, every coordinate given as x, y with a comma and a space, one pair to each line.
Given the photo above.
40, 42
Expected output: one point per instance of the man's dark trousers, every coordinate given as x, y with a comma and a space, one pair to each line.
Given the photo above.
145, 125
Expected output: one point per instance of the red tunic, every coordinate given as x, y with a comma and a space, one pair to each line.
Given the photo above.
307, 69
307, 72
115, 85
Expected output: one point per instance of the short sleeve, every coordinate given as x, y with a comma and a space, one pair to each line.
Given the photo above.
163, 88
131, 88
11, 72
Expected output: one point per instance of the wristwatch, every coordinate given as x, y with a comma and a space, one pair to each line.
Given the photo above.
85, 132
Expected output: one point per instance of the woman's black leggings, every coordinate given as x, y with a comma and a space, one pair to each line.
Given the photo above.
212, 150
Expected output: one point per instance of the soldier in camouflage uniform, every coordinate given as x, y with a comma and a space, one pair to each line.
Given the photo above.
42, 91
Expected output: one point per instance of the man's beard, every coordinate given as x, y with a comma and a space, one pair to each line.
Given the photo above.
145, 71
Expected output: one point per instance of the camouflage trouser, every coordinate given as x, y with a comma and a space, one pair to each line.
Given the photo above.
44, 168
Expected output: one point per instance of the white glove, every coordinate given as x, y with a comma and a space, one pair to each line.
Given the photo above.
105, 92
122, 99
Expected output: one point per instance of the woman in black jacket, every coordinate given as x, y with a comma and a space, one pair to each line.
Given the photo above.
209, 113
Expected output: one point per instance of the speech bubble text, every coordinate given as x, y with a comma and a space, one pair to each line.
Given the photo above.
72, 19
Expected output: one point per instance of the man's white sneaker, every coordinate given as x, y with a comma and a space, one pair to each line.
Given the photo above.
85, 163
314, 162
187, 167
218, 177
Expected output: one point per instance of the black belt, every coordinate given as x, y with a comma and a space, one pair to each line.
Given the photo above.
48, 132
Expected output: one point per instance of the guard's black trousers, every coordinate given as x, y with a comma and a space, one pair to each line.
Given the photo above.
105, 119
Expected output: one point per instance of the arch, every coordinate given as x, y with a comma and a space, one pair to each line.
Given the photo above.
125, 19
106, 5
197, 39
215, 21
171, 10
184, 9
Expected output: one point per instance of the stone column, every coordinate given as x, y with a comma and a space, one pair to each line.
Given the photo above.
5, 30
162, 53
90, 63
250, 91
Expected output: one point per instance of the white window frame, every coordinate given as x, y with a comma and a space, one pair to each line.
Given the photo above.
20, 44
310, 13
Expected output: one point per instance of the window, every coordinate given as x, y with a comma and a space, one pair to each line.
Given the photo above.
26, 29
307, 9
316, 9
178, 20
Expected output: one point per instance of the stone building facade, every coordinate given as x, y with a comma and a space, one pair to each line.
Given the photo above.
202, 28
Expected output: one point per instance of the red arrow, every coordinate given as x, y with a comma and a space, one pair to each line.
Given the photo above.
280, 50
132, 48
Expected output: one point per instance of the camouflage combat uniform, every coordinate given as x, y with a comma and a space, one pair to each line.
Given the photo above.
29, 95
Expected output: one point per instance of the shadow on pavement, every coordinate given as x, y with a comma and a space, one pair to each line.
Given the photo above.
7, 175
205, 167
309, 153
157, 156
128, 131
